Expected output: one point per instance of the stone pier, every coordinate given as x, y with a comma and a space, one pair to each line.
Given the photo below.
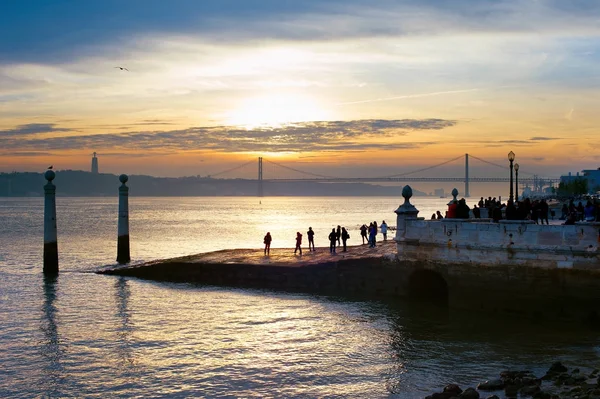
509, 267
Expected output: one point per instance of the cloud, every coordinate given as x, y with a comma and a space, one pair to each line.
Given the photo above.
357, 135
538, 138
55, 31
33, 128
401, 97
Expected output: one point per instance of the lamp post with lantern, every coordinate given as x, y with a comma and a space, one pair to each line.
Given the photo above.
516, 181
511, 158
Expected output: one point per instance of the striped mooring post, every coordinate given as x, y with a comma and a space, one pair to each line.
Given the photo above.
50, 234
123, 255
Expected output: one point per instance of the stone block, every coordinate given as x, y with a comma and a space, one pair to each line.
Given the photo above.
564, 264
550, 238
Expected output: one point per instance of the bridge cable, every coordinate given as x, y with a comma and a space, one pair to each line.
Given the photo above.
300, 171
421, 170
232, 169
500, 166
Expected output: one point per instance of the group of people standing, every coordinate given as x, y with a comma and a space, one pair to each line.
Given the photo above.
572, 213
370, 233
338, 237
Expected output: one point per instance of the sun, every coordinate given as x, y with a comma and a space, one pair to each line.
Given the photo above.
276, 110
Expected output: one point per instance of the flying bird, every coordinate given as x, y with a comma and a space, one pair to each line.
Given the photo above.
122, 68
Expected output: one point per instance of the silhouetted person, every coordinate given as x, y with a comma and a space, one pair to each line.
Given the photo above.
462, 209
476, 212
267, 242
345, 237
439, 215
338, 234
433, 216
376, 230
363, 233
311, 239
384, 229
298, 243
371, 235
497, 213
332, 240
571, 219
564, 212
511, 211
451, 213
544, 209
580, 211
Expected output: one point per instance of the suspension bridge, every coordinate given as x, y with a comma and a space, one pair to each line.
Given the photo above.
534, 180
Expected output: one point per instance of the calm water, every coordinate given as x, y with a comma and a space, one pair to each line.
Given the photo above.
85, 335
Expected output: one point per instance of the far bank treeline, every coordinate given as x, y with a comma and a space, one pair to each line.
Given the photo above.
85, 184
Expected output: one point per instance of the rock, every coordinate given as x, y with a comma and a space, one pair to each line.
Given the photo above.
453, 389
557, 367
469, 393
443, 395
529, 390
511, 391
491, 385
544, 395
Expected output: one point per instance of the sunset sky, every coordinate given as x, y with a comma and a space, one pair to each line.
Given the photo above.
344, 88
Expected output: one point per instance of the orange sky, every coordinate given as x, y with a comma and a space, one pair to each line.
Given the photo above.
351, 102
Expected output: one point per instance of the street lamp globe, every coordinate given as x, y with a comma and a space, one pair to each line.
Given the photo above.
516, 167
511, 156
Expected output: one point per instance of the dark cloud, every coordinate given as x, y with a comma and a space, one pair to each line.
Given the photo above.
56, 30
538, 159
32, 154
359, 135
543, 138
33, 128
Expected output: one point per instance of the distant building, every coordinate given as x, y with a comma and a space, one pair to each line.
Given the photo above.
593, 178
591, 175
95, 164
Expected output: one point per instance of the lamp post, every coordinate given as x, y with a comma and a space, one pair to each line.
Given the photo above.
517, 181
511, 158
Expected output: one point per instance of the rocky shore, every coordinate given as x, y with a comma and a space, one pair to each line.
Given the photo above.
557, 383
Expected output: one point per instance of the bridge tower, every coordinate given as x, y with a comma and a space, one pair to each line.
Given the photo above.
260, 176
467, 193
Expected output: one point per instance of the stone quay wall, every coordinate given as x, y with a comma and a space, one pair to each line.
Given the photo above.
523, 243
550, 271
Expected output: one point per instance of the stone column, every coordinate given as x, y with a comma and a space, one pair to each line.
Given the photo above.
123, 228
50, 235
405, 213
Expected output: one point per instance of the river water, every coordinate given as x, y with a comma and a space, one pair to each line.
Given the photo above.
87, 335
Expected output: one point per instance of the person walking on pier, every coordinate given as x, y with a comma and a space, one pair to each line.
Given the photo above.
311, 239
298, 243
384, 229
363, 233
267, 240
338, 234
345, 237
332, 241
